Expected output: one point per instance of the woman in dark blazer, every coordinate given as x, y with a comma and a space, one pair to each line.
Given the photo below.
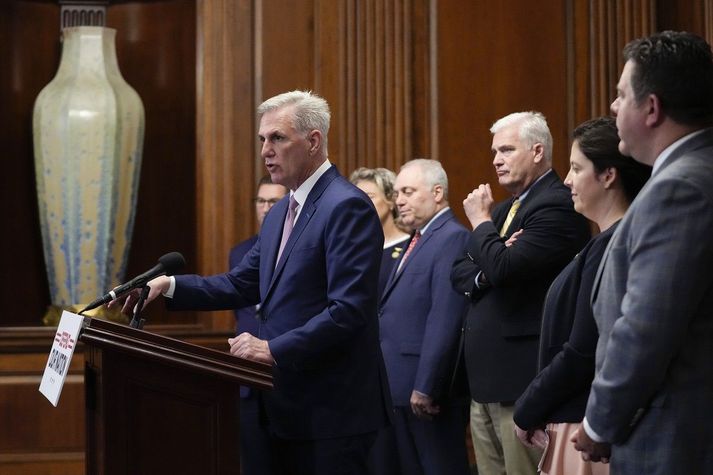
603, 184
378, 184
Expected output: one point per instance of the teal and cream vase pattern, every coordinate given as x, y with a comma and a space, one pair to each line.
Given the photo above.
88, 128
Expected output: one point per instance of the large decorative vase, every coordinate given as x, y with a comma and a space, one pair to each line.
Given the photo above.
88, 128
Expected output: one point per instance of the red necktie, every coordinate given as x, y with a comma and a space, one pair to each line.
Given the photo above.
289, 224
411, 245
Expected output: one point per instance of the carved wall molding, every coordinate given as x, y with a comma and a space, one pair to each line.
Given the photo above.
82, 13
599, 29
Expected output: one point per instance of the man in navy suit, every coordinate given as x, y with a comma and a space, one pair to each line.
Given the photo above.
314, 269
652, 395
256, 457
507, 283
268, 194
420, 319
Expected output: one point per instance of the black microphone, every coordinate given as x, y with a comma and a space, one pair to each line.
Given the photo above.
167, 264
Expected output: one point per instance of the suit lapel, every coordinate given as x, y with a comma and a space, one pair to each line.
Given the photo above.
705, 139
270, 236
423, 242
501, 215
306, 213
598, 277
303, 219
545, 182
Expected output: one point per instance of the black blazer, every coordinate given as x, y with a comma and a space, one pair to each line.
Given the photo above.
567, 344
502, 326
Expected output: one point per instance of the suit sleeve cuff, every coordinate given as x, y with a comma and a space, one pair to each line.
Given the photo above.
590, 432
274, 361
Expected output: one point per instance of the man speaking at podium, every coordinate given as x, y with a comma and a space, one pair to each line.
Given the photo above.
314, 269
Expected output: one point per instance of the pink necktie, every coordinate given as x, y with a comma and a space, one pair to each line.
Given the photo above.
289, 224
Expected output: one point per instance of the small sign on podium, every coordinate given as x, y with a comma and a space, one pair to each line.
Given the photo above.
60, 356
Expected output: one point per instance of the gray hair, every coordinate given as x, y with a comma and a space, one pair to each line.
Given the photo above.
383, 178
311, 112
533, 129
433, 173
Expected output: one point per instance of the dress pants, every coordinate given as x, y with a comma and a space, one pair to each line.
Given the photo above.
255, 444
432, 447
498, 451
337, 456
383, 459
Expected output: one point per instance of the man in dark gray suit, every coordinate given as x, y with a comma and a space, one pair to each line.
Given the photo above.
652, 396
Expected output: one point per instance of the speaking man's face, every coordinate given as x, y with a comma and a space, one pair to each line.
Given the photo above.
286, 151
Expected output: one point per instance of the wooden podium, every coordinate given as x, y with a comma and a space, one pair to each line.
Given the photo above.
159, 405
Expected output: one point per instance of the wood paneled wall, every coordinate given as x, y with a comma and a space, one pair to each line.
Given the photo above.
404, 78
156, 50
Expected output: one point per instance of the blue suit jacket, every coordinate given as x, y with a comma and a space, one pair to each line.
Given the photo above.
318, 312
421, 315
652, 395
245, 317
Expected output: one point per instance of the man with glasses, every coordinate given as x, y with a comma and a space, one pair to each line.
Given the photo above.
253, 437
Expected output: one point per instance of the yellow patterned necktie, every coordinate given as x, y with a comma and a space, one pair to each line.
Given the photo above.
511, 214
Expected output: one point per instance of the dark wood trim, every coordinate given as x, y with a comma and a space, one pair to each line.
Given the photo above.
170, 351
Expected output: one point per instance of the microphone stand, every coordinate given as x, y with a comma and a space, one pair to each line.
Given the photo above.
136, 321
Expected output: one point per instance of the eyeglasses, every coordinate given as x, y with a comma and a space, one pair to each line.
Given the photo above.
263, 201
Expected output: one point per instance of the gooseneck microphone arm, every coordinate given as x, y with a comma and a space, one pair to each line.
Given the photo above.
168, 264
137, 321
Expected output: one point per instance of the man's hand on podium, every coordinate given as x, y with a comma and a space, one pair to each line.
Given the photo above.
159, 286
247, 346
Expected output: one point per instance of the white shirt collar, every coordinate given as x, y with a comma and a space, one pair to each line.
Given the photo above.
303, 190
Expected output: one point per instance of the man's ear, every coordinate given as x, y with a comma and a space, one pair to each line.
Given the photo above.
539, 150
438, 193
654, 110
315, 141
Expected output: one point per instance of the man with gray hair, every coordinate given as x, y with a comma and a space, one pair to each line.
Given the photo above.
515, 250
419, 322
314, 269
